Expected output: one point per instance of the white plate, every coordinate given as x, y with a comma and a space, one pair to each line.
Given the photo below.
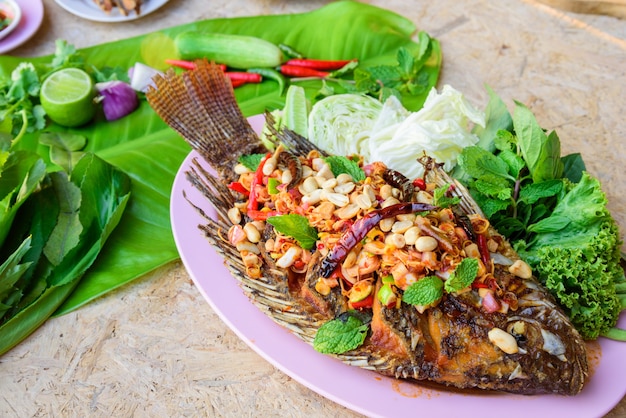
87, 9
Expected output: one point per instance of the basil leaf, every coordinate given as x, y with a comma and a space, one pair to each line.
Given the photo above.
541, 152
463, 276
341, 334
573, 167
532, 192
424, 291
340, 165
497, 118
297, 227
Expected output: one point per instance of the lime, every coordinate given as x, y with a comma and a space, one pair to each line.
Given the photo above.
67, 97
296, 111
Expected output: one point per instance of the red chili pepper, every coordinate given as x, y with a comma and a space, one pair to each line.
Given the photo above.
296, 71
257, 179
244, 76
187, 65
364, 303
237, 83
318, 64
238, 187
481, 241
261, 215
419, 183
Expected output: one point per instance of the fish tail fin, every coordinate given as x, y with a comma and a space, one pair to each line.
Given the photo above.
200, 105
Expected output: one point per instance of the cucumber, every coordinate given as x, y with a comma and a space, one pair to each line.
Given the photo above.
237, 51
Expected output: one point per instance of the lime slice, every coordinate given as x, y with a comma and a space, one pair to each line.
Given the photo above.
296, 111
67, 97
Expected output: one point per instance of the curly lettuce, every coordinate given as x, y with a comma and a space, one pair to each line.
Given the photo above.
575, 252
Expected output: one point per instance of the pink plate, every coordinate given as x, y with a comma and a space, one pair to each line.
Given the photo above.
363, 391
32, 16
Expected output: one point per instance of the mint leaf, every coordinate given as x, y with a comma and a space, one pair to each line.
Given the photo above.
490, 206
405, 60
463, 276
341, 334
297, 227
515, 163
493, 186
442, 200
251, 161
478, 162
339, 165
424, 291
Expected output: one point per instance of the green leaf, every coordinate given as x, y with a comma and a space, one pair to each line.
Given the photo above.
478, 162
424, 292
339, 165
345, 333
463, 276
573, 167
541, 152
441, 199
533, 192
66, 233
493, 186
251, 161
64, 148
497, 118
515, 163
297, 227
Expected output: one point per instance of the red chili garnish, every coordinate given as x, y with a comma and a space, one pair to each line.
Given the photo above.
296, 71
481, 241
256, 180
364, 303
318, 64
238, 187
419, 183
261, 215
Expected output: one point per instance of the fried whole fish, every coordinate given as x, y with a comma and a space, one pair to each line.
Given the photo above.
376, 239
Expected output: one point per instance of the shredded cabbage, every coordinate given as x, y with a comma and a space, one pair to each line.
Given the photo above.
349, 124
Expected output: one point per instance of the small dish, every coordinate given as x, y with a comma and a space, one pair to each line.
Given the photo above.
10, 16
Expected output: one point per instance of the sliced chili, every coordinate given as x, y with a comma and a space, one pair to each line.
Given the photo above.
256, 180
238, 187
481, 241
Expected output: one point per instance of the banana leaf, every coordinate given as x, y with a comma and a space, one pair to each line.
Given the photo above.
150, 153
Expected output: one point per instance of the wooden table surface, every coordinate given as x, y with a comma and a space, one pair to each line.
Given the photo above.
155, 347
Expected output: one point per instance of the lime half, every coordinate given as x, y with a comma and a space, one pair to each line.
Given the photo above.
296, 111
67, 97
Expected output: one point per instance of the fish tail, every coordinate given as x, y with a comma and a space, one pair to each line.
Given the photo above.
201, 106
